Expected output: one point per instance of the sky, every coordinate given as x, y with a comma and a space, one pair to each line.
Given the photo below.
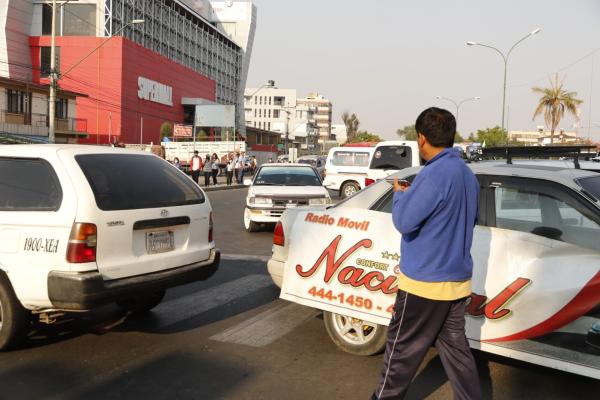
387, 60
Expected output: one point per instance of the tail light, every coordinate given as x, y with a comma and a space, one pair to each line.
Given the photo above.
210, 228
369, 181
278, 235
82, 243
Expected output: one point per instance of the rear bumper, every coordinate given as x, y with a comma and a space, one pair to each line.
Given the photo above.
86, 290
275, 268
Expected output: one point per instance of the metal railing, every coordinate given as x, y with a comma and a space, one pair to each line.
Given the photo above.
35, 124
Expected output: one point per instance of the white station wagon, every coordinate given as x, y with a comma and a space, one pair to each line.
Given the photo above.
536, 272
83, 226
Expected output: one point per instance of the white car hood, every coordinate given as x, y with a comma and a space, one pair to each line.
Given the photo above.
283, 191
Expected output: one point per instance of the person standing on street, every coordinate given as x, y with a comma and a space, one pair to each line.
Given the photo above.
196, 166
230, 168
240, 165
436, 215
207, 170
215, 168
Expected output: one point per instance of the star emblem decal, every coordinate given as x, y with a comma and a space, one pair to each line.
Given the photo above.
390, 256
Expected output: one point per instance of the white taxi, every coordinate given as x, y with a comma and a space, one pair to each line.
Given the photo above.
83, 226
536, 273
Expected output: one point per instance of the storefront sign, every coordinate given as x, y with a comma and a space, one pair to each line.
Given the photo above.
155, 91
180, 130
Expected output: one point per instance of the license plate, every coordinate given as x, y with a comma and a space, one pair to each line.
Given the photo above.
159, 242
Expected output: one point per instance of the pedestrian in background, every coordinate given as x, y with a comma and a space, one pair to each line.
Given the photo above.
236, 170
253, 165
177, 163
215, 168
240, 165
229, 169
207, 170
196, 166
436, 215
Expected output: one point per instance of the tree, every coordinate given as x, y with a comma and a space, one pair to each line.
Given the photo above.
407, 133
554, 101
364, 136
165, 130
458, 138
495, 136
352, 123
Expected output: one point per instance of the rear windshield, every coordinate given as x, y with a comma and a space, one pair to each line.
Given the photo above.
307, 161
591, 185
287, 176
132, 181
392, 157
351, 158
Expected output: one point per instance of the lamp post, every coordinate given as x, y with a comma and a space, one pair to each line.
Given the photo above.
53, 74
505, 59
457, 104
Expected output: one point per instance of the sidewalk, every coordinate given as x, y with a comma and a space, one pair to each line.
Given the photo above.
221, 184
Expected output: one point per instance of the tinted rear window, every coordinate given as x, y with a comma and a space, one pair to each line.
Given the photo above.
350, 158
28, 185
392, 157
132, 181
591, 185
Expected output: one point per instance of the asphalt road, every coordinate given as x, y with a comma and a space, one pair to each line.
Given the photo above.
230, 337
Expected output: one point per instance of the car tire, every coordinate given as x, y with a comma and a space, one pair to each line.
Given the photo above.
15, 320
142, 303
348, 189
344, 332
250, 225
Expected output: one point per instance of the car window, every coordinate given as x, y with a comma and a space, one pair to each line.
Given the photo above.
131, 181
544, 215
287, 176
28, 185
350, 158
306, 161
392, 157
591, 185
384, 204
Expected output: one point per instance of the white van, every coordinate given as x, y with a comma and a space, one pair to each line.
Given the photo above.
346, 169
391, 156
82, 226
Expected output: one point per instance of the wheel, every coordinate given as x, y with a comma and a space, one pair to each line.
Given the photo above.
14, 318
355, 336
142, 303
348, 189
250, 225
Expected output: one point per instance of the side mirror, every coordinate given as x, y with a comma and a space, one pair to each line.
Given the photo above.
247, 182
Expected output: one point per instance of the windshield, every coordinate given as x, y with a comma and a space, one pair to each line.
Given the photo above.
591, 185
287, 176
392, 157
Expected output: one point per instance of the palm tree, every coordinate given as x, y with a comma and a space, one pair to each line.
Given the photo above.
553, 102
352, 123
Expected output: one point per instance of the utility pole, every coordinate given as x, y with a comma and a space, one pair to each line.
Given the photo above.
52, 104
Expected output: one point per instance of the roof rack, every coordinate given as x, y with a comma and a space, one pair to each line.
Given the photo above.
509, 152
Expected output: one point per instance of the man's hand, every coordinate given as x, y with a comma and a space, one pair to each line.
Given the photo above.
401, 186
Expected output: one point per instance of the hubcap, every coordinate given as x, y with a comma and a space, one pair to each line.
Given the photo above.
350, 190
354, 331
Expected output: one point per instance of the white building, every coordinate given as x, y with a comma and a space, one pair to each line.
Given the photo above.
339, 133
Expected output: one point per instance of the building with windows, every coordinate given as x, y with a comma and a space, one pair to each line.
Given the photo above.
542, 137
322, 112
141, 63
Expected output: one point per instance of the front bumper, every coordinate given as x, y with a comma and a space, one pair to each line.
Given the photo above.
86, 290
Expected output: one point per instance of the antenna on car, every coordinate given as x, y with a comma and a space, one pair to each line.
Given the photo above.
508, 152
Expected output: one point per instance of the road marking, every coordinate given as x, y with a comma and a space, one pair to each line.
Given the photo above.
268, 326
185, 307
244, 257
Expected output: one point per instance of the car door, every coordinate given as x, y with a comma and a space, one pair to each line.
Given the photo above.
535, 262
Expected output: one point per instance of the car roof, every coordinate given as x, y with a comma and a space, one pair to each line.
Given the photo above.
293, 165
397, 143
562, 172
49, 150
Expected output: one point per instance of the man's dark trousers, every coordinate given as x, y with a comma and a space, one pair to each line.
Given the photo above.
195, 176
417, 324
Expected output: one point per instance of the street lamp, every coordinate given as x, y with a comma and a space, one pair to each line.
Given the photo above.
457, 104
505, 59
54, 76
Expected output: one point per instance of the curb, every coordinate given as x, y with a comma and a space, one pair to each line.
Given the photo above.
222, 187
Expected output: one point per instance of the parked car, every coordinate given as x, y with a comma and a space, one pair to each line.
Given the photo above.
536, 273
346, 169
390, 157
316, 161
83, 226
278, 187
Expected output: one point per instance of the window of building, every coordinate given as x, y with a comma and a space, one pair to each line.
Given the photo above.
79, 20
255, 111
45, 61
255, 100
259, 138
275, 113
15, 101
269, 113
47, 20
62, 108
279, 100
270, 98
269, 126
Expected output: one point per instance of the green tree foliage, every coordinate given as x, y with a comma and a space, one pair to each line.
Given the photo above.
495, 136
554, 101
407, 133
166, 129
458, 138
364, 136
352, 123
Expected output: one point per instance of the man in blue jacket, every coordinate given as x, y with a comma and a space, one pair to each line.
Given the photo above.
436, 215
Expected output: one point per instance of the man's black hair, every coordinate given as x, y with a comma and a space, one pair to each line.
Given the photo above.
438, 126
